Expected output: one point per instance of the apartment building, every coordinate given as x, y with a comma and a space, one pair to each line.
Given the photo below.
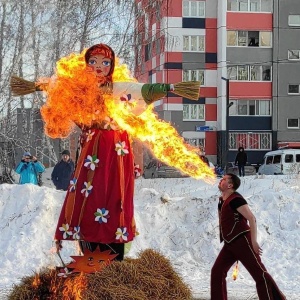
245, 53
286, 73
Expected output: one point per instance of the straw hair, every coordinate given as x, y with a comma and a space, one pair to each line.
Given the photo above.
187, 89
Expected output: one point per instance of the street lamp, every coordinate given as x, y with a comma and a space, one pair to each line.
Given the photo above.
228, 105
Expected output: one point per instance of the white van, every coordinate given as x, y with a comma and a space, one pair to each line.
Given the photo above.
284, 161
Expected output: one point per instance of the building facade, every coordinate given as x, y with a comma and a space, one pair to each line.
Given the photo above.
245, 53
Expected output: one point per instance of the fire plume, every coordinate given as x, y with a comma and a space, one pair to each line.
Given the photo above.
75, 98
74, 287
235, 271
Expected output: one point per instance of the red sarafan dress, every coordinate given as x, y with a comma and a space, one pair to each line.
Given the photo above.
99, 203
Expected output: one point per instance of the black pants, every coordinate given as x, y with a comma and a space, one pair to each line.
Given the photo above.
115, 248
241, 170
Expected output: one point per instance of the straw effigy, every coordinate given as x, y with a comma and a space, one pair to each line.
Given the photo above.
150, 276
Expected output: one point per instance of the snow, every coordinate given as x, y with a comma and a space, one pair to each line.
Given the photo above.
177, 217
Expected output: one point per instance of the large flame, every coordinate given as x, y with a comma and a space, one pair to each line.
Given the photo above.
74, 97
74, 287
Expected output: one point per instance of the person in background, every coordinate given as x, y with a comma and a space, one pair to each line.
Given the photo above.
61, 174
241, 160
29, 169
238, 230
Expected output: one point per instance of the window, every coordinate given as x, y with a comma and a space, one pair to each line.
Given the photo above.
194, 43
293, 89
250, 140
193, 112
193, 75
193, 9
232, 5
269, 160
243, 108
277, 159
232, 72
265, 38
250, 108
249, 38
294, 54
231, 38
242, 73
242, 38
195, 142
293, 123
158, 46
255, 74
266, 73
289, 158
250, 5
249, 73
294, 20
297, 158
253, 38
263, 108
243, 5
146, 26
267, 5
139, 57
254, 5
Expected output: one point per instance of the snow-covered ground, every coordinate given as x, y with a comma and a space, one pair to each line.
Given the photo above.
183, 227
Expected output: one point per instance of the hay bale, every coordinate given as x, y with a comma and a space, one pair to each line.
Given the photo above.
150, 276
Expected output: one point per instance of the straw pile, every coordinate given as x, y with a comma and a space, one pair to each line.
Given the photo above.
150, 276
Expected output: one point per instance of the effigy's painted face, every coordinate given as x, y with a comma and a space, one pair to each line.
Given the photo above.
100, 64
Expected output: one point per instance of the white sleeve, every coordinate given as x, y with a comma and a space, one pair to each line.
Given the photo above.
132, 90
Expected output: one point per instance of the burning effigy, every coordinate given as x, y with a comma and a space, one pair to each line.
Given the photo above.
150, 276
93, 91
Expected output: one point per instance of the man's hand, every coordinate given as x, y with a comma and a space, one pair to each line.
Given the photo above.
34, 158
257, 248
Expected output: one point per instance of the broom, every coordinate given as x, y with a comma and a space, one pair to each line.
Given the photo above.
187, 89
21, 87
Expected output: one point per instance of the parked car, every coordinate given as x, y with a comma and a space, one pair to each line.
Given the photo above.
232, 168
284, 161
157, 169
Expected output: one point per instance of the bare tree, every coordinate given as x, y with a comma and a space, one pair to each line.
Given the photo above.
33, 36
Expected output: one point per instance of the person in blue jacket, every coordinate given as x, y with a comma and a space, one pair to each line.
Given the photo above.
61, 174
29, 169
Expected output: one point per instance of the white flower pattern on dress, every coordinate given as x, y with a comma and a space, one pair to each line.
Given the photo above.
91, 162
73, 182
89, 135
101, 215
122, 234
65, 228
121, 148
87, 189
110, 124
76, 233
